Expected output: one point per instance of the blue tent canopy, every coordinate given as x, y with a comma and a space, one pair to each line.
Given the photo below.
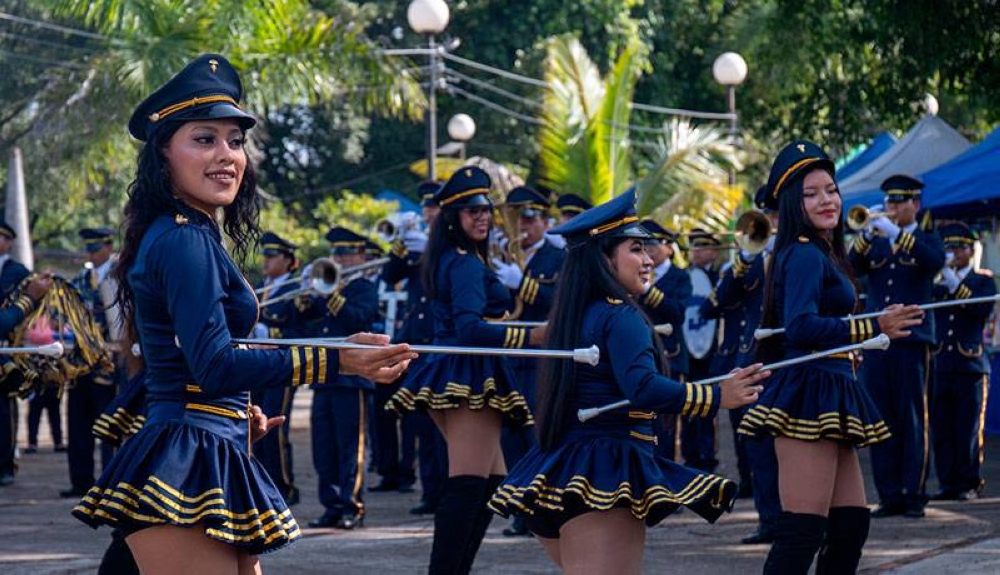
880, 144
405, 204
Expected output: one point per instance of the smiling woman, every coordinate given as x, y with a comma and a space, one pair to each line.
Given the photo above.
186, 480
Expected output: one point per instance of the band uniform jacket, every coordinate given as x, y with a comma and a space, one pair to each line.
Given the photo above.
900, 272
537, 289
418, 317
665, 303
960, 327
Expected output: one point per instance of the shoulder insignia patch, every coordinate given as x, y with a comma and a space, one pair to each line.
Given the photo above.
614, 301
180, 219
803, 240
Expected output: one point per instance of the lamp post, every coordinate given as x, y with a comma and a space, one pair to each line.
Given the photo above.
730, 69
430, 17
461, 128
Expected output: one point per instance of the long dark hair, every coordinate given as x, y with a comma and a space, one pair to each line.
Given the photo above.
151, 195
794, 223
586, 276
446, 232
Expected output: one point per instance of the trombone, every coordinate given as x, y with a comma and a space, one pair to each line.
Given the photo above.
752, 232
322, 277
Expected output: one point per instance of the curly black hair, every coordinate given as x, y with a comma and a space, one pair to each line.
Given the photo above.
151, 195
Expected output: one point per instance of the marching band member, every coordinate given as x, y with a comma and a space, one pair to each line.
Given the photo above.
396, 465
664, 302
184, 489
534, 286
698, 434
570, 206
468, 397
12, 273
91, 393
900, 262
280, 319
961, 369
817, 412
588, 490
339, 409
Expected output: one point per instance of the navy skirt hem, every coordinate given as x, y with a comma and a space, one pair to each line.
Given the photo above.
180, 474
810, 404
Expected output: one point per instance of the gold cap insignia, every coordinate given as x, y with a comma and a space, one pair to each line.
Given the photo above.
468, 173
155, 116
213, 64
802, 148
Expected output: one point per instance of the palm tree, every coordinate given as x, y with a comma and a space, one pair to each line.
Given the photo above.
583, 139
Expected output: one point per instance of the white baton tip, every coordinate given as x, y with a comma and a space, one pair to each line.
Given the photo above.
665, 329
881, 341
589, 355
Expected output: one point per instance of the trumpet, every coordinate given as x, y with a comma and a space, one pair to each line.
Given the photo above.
752, 232
858, 217
395, 226
322, 277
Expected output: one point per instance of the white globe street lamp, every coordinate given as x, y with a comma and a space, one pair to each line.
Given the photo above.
730, 70
461, 128
430, 17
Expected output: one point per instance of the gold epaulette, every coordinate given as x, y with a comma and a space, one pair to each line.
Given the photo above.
963, 292
654, 297
529, 289
905, 241
335, 303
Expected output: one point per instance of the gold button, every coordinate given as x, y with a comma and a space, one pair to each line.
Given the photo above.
420, 316
951, 317
892, 266
889, 282
951, 347
887, 299
743, 322
951, 332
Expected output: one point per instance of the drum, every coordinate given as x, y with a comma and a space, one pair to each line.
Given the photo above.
698, 331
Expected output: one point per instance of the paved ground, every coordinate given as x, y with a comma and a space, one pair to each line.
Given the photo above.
37, 534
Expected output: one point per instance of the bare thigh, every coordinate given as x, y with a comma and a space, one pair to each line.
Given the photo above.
602, 543
551, 547
473, 438
168, 550
849, 490
807, 474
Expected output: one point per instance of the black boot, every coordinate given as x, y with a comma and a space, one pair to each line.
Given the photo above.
845, 538
454, 523
482, 523
798, 538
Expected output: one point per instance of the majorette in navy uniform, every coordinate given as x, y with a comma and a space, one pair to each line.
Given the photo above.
608, 462
475, 391
90, 394
816, 410
468, 294
900, 264
533, 287
190, 463
279, 320
961, 369
665, 303
338, 416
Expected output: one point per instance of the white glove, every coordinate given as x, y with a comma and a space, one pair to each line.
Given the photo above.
950, 279
260, 331
747, 257
510, 275
557, 241
885, 226
415, 241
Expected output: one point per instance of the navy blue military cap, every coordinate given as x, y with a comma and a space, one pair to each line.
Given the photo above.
469, 186
206, 89
344, 241
612, 219
572, 204
373, 250
900, 187
271, 244
699, 238
427, 190
957, 234
531, 202
658, 232
794, 160
95, 238
6, 230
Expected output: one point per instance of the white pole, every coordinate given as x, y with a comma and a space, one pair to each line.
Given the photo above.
16, 211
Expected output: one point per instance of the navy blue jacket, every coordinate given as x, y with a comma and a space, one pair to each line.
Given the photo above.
351, 310
282, 318
811, 297
664, 303
468, 293
11, 276
900, 272
538, 288
738, 300
190, 301
960, 327
418, 318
